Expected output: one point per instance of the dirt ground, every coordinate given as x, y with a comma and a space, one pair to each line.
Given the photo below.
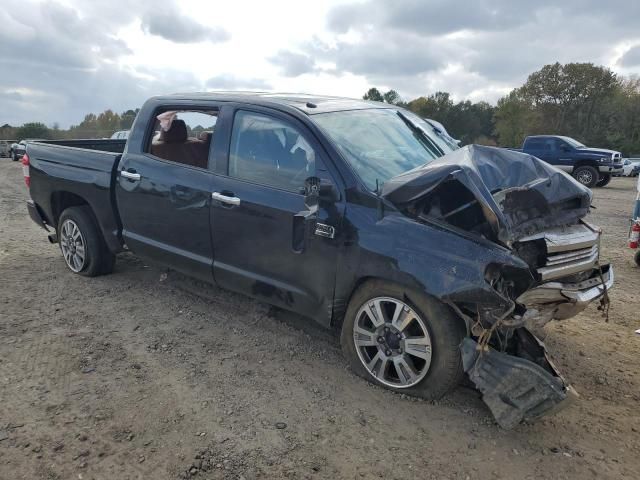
147, 374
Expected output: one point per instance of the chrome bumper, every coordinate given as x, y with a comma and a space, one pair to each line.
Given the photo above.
611, 168
560, 300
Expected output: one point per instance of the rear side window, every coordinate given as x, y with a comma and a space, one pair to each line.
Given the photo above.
270, 152
183, 136
535, 143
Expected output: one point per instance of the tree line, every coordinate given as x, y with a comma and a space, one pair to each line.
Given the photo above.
581, 100
102, 125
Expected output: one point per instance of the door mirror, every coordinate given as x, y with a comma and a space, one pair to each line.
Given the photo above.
321, 189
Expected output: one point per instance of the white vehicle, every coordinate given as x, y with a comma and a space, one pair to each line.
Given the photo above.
630, 167
120, 135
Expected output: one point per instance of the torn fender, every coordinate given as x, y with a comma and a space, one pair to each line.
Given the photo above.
520, 385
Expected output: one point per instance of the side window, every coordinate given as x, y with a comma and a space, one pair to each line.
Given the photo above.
534, 144
550, 144
183, 136
270, 152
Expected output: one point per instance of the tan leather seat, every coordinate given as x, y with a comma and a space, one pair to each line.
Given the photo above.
176, 146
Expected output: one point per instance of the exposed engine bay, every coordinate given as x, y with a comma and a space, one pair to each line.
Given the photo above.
536, 212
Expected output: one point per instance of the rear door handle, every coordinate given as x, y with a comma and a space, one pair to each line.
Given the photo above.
130, 175
225, 198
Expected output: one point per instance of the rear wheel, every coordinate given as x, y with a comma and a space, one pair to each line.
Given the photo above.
81, 243
402, 340
604, 180
586, 175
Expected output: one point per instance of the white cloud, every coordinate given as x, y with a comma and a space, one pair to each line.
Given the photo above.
66, 58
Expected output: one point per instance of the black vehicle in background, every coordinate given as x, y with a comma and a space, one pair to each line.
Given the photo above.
19, 149
429, 259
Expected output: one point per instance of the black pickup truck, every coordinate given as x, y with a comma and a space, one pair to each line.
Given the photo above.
429, 259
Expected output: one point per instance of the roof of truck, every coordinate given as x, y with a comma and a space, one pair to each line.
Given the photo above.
307, 103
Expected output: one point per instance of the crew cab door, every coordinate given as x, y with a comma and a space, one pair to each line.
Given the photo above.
563, 154
267, 243
163, 191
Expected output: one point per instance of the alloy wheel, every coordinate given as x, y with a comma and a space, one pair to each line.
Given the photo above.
72, 245
393, 342
585, 177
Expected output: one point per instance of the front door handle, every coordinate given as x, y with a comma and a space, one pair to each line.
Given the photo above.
225, 198
130, 175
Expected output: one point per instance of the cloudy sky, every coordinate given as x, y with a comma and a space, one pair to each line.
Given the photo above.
60, 59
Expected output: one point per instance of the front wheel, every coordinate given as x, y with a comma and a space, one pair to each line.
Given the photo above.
636, 257
403, 340
604, 180
586, 175
82, 244
14, 157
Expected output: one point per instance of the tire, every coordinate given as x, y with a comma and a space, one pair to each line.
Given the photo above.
432, 378
87, 254
636, 258
586, 175
604, 180
14, 157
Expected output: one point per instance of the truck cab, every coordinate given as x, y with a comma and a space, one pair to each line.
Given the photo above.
592, 167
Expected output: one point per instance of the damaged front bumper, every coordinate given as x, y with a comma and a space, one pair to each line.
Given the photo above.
559, 300
507, 363
520, 385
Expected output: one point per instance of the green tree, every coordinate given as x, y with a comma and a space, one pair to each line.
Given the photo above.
514, 119
7, 132
392, 97
127, 118
569, 98
107, 123
33, 130
374, 95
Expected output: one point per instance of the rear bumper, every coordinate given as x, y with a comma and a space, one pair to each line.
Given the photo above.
34, 213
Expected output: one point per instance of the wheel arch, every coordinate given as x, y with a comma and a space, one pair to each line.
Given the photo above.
409, 292
61, 200
585, 163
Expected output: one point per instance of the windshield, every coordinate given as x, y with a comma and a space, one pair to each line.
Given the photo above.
382, 143
573, 143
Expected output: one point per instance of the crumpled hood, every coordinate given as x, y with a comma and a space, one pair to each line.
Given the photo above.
517, 193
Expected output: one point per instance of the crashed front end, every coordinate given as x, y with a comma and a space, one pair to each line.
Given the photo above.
536, 213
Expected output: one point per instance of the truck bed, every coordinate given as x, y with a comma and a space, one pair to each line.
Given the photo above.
100, 144
85, 171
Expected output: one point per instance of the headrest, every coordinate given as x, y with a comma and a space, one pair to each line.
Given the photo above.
177, 132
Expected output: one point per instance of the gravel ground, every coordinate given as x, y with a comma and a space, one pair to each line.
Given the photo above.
147, 374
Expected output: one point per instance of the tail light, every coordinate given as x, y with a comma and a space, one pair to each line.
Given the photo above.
25, 169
